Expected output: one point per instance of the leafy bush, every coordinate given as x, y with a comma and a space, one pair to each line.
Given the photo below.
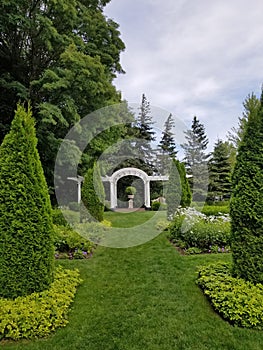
93, 196
58, 218
162, 225
155, 206
93, 231
238, 301
38, 314
196, 230
26, 230
70, 242
74, 206
215, 210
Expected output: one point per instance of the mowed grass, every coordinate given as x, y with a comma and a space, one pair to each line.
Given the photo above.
143, 298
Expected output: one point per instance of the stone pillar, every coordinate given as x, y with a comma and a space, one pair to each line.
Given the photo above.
147, 193
112, 195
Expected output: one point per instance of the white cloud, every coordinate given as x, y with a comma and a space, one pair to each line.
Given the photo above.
192, 57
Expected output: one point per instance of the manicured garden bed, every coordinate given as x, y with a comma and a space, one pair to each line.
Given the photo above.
144, 297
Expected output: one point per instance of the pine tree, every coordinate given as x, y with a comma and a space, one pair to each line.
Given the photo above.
26, 231
144, 137
167, 147
93, 196
247, 202
251, 105
220, 172
196, 159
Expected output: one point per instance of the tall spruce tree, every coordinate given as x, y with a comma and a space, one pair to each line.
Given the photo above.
196, 159
167, 147
247, 202
144, 136
220, 172
26, 230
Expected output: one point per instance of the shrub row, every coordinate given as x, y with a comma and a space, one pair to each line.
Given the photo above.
236, 300
38, 314
70, 244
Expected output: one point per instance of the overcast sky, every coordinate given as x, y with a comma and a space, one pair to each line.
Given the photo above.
191, 57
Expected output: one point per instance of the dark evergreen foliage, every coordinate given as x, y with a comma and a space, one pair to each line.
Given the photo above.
93, 196
26, 230
220, 172
173, 190
196, 159
144, 136
186, 195
167, 147
247, 202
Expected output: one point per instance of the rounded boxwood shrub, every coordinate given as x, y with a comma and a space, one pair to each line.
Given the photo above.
26, 229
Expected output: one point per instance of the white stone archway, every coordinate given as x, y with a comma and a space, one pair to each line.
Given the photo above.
115, 177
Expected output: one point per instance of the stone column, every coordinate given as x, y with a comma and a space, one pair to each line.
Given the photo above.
147, 193
112, 195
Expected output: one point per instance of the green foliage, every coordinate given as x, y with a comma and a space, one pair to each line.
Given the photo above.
238, 301
93, 196
74, 206
155, 206
26, 230
196, 159
173, 190
69, 241
220, 172
186, 196
61, 55
58, 218
247, 202
190, 229
215, 210
167, 147
39, 314
130, 190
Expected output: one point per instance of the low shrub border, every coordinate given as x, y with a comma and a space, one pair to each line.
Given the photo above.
236, 300
38, 314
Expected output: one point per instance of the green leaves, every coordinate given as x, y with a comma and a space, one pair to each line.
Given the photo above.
26, 232
247, 202
238, 301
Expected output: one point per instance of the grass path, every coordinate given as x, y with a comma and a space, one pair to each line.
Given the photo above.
143, 298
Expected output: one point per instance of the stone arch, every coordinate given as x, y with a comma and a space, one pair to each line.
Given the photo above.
114, 178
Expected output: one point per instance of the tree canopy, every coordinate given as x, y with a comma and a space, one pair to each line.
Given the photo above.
62, 56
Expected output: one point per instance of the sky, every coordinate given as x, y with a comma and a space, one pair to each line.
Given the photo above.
191, 57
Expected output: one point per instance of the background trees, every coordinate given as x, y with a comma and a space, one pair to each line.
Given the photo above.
61, 55
166, 150
26, 231
196, 159
220, 172
247, 201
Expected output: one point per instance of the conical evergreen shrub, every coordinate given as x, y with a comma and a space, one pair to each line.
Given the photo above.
93, 196
26, 231
246, 206
186, 196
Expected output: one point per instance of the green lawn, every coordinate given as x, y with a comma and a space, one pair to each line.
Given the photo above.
143, 298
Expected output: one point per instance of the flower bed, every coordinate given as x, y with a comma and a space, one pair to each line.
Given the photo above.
196, 233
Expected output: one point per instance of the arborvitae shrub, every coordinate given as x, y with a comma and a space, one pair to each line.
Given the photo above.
173, 190
93, 196
26, 231
186, 196
246, 206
